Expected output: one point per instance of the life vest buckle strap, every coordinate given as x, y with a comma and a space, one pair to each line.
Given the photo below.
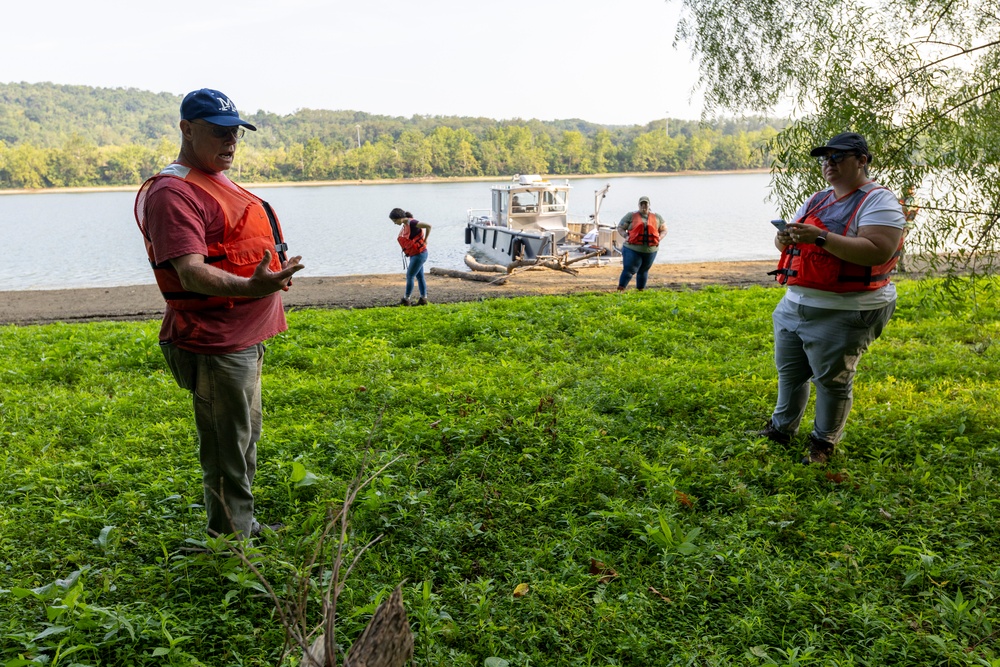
184, 295
279, 243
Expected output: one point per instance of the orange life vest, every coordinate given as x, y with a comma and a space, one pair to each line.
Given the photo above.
811, 266
644, 232
251, 227
411, 246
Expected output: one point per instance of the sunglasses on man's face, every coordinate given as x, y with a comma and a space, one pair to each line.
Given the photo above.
220, 132
834, 158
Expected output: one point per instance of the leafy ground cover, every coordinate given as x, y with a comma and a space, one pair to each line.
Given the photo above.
577, 487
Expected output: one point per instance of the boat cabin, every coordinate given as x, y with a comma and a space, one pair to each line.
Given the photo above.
531, 203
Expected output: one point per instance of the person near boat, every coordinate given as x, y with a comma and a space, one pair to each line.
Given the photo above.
412, 238
836, 261
643, 230
219, 259
910, 209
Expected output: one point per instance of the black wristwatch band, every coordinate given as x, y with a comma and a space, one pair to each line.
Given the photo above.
821, 239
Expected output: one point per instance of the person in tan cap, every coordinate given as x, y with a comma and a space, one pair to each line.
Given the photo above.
643, 231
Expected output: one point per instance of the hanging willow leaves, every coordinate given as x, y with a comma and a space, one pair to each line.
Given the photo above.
919, 78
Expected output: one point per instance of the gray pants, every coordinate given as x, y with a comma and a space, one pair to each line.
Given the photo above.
227, 413
824, 346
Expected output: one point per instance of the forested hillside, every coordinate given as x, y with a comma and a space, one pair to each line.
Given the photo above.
64, 136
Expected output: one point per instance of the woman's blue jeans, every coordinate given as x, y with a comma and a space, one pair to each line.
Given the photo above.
635, 264
415, 270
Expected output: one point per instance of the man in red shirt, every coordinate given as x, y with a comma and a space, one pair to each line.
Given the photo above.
219, 260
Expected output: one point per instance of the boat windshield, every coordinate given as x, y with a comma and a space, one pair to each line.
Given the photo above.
554, 201
524, 202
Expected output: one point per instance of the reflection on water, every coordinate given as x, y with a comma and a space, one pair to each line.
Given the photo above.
67, 240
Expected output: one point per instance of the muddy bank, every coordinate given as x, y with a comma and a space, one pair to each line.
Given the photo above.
370, 291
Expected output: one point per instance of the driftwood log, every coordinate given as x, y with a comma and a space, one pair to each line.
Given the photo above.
387, 640
471, 262
589, 255
554, 262
547, 262
468, 275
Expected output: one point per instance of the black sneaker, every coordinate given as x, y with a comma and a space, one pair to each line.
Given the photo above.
773, 434
258, 529
422, 301
820, 451
404, 301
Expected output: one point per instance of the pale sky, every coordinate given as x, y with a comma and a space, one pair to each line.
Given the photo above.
609, 62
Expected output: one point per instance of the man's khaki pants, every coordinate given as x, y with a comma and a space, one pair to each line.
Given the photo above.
227, 412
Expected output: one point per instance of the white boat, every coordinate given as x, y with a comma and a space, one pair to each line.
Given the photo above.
529, 220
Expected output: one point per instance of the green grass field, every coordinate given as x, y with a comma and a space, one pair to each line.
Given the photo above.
536, 434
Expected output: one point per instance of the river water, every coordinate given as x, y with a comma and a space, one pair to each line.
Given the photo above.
67, 240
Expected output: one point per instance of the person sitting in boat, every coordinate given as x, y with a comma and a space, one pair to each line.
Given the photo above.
642, 230
910, 209
524, 203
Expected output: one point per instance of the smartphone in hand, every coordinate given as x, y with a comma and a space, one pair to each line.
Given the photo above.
779, 225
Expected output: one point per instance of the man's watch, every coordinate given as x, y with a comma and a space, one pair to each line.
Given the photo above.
821, 239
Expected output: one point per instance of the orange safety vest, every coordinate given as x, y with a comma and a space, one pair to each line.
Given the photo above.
411, 246
644, 232
811, 266
251, 227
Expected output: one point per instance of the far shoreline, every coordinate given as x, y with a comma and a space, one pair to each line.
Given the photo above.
386, 181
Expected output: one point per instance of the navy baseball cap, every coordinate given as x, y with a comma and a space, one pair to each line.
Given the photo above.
212, 106
846, 141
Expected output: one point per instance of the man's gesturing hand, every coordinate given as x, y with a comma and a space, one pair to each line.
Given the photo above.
266, 282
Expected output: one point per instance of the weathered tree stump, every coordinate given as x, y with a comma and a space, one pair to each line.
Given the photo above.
387, 641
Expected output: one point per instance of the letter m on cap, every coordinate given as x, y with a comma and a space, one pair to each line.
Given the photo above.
225, 104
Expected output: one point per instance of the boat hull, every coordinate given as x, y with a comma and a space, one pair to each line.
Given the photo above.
503, 245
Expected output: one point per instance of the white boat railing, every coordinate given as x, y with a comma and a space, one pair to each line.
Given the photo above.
483, 216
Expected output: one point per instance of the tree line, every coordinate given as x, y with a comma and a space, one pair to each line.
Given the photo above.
77, 136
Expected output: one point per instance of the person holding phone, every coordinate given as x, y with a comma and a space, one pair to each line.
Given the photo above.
836, 260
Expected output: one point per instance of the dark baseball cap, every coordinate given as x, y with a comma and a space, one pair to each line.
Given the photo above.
214, 107
845, 141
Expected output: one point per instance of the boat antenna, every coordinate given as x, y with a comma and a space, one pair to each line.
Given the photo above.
599, 196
